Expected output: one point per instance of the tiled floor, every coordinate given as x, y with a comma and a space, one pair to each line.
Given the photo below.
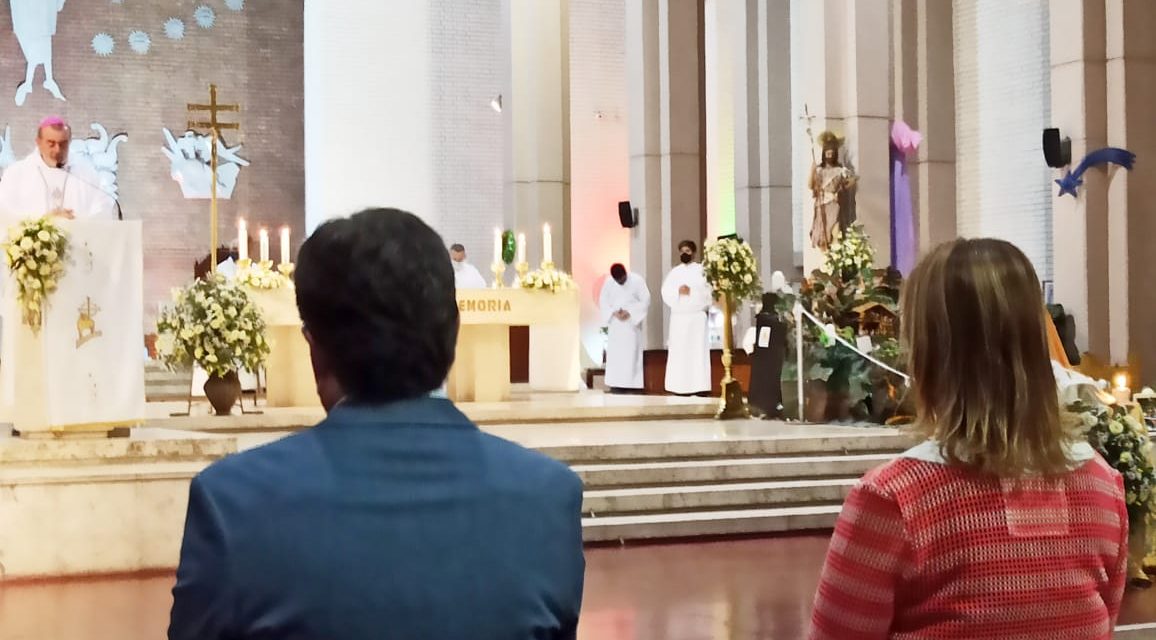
730, 590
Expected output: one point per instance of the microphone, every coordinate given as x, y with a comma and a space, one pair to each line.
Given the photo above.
72, 175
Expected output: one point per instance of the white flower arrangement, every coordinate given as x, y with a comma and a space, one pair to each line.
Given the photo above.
1123, 442
214, 325
850, 252
261, 275
731, 269
36, 252
550, 280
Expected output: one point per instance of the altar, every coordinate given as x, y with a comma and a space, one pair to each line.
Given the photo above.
288, 370
481, 371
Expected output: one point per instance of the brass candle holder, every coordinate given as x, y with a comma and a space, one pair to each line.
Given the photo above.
499, 271
522, 268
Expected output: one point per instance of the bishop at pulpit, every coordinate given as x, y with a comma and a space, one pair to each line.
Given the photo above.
74, 362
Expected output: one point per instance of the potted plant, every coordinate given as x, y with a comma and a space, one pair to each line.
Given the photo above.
214, 325
841, 384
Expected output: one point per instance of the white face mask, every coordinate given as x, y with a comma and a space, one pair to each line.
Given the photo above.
457, 265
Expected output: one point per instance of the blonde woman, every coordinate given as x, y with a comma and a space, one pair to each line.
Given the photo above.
1002, 524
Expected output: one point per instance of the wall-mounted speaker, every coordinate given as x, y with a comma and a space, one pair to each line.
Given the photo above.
627, 215
1057, 151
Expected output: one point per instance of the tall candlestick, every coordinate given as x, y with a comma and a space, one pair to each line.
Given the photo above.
264, 241
497, 246
242, 239
521, 248
547, 244
284, 245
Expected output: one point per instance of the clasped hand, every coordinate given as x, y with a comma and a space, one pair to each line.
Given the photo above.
622, 314
62, 213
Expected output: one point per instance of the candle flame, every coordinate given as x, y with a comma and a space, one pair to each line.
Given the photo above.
1120, 381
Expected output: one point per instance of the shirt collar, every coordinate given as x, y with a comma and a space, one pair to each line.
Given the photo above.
930, 451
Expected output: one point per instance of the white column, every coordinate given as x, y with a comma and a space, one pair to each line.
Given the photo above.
867, 117
665, 172
762, 139
539, 105
934, 170
1079, 229
1131, 92
848, 89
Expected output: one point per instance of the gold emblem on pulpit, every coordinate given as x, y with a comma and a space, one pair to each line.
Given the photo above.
85, 324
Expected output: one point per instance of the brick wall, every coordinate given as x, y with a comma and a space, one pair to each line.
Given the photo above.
1003, 101
253, 55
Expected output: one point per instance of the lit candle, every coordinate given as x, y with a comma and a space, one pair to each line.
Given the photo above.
284, 245
242, 239
264, 238
547, 244
521, 248
497, 246
1120, 390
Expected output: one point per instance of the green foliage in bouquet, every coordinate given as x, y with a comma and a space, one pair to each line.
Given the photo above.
730, 267
1123, 442
36, 253
213, 324
509, 247
836, 293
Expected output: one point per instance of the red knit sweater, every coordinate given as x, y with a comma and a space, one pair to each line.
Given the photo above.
927, 551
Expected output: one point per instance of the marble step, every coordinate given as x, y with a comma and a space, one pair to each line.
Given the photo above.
683, 472
709, 523
753, 447
604, 502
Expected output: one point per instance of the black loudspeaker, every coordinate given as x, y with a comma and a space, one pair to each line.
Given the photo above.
1057, 151
626, 215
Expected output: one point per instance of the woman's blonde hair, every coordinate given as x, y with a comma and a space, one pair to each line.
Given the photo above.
978, 357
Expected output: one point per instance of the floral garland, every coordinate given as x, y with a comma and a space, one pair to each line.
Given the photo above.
214, 325
1123, 442
850, 252
36, 252
550, 280
730, 267
261, 275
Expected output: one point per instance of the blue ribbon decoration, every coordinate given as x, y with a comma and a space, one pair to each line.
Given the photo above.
1072, 180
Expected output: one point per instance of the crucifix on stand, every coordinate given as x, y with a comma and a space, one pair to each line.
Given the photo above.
214, 126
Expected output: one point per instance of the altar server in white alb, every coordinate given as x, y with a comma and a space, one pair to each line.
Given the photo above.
689, 297
623, 303
42, 184
466, 276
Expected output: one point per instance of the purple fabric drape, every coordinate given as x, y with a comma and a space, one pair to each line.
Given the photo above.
904, 142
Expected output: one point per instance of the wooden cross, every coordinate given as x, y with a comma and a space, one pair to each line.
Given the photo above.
214, 126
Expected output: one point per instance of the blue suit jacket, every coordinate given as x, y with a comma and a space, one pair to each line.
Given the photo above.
402, 521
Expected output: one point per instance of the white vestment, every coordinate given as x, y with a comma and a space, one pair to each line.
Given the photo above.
467, 277
688, 344
29, 189
624, 337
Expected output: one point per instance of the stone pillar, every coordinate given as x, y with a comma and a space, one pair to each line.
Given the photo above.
662, 51
762, 140
539, 104
935, 167
1079, 227
1131, 92
867, 119
848, 89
